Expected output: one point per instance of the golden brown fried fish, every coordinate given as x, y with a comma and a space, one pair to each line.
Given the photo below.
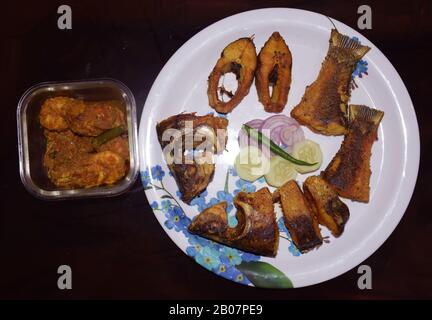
240, 58
70, 162
274, 69
192, 177
298, 217
349, 171
324, 103
256, 230
82, 117
328, 208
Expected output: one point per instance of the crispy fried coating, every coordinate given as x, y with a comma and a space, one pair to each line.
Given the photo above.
256, 230
192, 176
240, 58
119, 145
71, 162
274, 70
84, 118
324, 103
328, 208
349, 171
298, 217
54, 111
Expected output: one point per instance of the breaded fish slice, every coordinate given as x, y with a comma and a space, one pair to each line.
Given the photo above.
191, 176
324, 103
349, 171
274, 69
329, 209
256, 231
298, 217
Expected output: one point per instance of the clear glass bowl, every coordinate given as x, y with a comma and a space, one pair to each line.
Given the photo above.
32, 144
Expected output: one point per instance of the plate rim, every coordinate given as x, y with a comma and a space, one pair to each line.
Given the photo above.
412, 136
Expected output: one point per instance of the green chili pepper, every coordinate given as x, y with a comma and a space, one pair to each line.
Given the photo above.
258, 136
107, 136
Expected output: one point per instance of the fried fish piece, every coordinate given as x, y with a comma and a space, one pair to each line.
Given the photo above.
54, 111
349, 171
298, 217
83, 118
274, 69
256, 231
240, 58
71, 162
324, 103
192, 174
328, 208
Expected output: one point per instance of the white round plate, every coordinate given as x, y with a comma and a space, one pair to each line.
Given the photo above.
182, 87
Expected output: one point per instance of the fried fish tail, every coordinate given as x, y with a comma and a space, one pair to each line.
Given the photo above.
349, 171
324, 103
329, 209
256, 230
298, 217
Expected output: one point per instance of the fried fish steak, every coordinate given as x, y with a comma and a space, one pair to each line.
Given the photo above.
349, 171
192, 176
240, 58
324, 103
256, 230
274, 70
298, 217
328, 208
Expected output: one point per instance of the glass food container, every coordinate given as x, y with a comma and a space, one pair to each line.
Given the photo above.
32, 142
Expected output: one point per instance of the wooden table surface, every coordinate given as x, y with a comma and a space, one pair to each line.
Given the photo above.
115, 246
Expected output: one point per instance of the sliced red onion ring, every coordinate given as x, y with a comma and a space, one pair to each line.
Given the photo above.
282, 130
291, 135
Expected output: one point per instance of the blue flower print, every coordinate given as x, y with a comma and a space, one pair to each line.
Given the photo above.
145, 178
291, 248
361, 68
200, 201
233, 171
245, 186
281, 225
176, 218
226, 271
196, 245
246, 256
225, 196
232, 221
166, 205
239, 277
261, 180
157, 173
208, 258
154, 205
230, 256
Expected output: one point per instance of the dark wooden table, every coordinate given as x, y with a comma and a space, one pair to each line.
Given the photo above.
115, 246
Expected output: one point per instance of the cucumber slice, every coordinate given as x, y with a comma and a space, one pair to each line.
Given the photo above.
251, 164
308, 151
281, 171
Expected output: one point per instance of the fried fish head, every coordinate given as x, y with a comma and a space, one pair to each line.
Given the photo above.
256, 230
